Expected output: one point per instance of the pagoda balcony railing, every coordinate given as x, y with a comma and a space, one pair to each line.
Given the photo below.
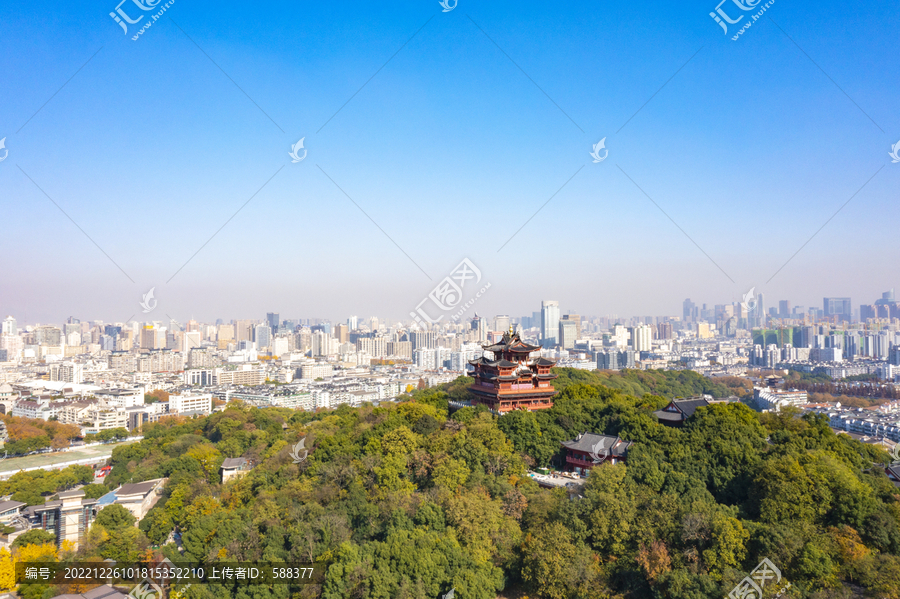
580, 462
525, 389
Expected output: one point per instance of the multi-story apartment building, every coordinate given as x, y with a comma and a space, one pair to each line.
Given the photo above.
400, 349
316, 371
121, 361
374, 346
246, 374
190, 403
68, 372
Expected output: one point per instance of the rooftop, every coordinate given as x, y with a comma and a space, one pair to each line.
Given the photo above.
234, 463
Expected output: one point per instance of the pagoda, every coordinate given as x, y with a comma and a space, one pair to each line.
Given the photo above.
513, 379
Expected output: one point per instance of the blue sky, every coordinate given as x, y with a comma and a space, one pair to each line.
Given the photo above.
449, 148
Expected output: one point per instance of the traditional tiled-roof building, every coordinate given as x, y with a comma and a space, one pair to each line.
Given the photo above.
513, 379
590, 449
680, 410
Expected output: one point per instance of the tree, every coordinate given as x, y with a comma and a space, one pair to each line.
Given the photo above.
654, 560
94, 490
208, 456
157, 525
7, 570
450, 473
34, 537
115, 517
556, 568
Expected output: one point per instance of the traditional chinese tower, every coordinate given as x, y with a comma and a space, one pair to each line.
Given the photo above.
513, 380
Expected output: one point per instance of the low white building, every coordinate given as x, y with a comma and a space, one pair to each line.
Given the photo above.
186, 402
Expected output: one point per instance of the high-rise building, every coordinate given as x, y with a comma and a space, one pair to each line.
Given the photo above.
243, 330
568, 333
148, 337
225, 333
761, 318
642, 338
422, 340
480, 327
784, 308
501, 323
263, 336
549, 323
838, 308
576, 319
353, 323
688, 310
190, 340
48, 335
273, 319
664, 330
342, 333
9, 326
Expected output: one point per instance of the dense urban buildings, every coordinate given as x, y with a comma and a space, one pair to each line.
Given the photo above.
106, 375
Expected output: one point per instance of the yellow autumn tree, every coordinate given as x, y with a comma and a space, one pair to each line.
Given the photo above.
36, 553
208, 456
201, 506
7, 570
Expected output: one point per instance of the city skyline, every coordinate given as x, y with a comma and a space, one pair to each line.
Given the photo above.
164, 162
771, 303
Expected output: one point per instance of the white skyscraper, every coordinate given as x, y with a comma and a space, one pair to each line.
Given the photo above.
9, 326
642, 338
549, 323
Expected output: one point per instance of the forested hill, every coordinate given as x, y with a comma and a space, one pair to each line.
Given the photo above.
666, 383
406, 501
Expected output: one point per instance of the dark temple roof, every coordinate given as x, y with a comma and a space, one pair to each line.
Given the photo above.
590, 442
511, 342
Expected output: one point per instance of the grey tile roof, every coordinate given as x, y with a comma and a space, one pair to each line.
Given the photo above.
586, 442
234, 462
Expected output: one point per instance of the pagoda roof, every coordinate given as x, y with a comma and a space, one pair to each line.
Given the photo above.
501, 363
543, 362
511, 342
